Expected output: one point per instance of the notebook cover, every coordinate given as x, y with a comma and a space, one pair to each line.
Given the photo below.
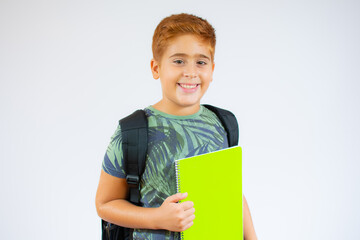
213, 182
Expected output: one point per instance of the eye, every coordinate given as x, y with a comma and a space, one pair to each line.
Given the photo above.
201, 62
178, 61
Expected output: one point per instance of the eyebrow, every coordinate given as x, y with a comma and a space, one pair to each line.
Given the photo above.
185, 55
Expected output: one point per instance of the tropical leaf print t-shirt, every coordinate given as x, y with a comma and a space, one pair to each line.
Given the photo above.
169, 138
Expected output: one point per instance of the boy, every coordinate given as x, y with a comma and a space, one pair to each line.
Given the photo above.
183, 59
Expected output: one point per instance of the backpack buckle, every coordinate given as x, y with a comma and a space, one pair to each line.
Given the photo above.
132, 180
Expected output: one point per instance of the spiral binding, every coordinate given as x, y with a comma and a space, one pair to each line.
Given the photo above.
177, 173
178, 186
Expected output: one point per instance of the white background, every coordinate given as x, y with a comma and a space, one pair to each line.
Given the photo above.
289, 70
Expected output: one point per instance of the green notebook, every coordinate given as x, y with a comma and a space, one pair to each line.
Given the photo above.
213, 182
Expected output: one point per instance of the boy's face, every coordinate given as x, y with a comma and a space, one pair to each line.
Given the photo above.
185, 71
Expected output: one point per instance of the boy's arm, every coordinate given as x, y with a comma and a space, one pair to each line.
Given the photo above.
112, 206
249, 231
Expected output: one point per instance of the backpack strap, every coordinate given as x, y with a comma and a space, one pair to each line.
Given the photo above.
134, 130
229, 122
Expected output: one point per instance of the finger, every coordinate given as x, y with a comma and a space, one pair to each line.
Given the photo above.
188, 225
189, 212
187, 205
191, 218
176, 197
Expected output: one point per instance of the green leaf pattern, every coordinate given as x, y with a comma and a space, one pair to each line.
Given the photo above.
169, 138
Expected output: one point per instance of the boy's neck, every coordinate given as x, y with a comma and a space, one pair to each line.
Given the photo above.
176, 110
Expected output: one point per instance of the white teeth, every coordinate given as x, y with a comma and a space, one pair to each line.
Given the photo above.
188, 86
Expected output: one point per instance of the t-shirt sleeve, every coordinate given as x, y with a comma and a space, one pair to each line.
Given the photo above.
113, 162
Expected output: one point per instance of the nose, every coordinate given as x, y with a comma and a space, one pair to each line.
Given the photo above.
190, 71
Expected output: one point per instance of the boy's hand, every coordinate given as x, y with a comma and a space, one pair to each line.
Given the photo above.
174, 216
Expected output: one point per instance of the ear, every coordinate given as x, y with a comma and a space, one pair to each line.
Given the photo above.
155, 68
212, 69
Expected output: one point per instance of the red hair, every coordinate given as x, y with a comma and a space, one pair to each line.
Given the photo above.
180, 24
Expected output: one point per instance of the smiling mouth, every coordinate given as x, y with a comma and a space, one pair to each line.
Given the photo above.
188, 86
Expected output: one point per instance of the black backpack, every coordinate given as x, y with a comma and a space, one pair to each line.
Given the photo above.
134, 146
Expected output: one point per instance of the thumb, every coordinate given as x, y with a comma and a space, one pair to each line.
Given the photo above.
176, 197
